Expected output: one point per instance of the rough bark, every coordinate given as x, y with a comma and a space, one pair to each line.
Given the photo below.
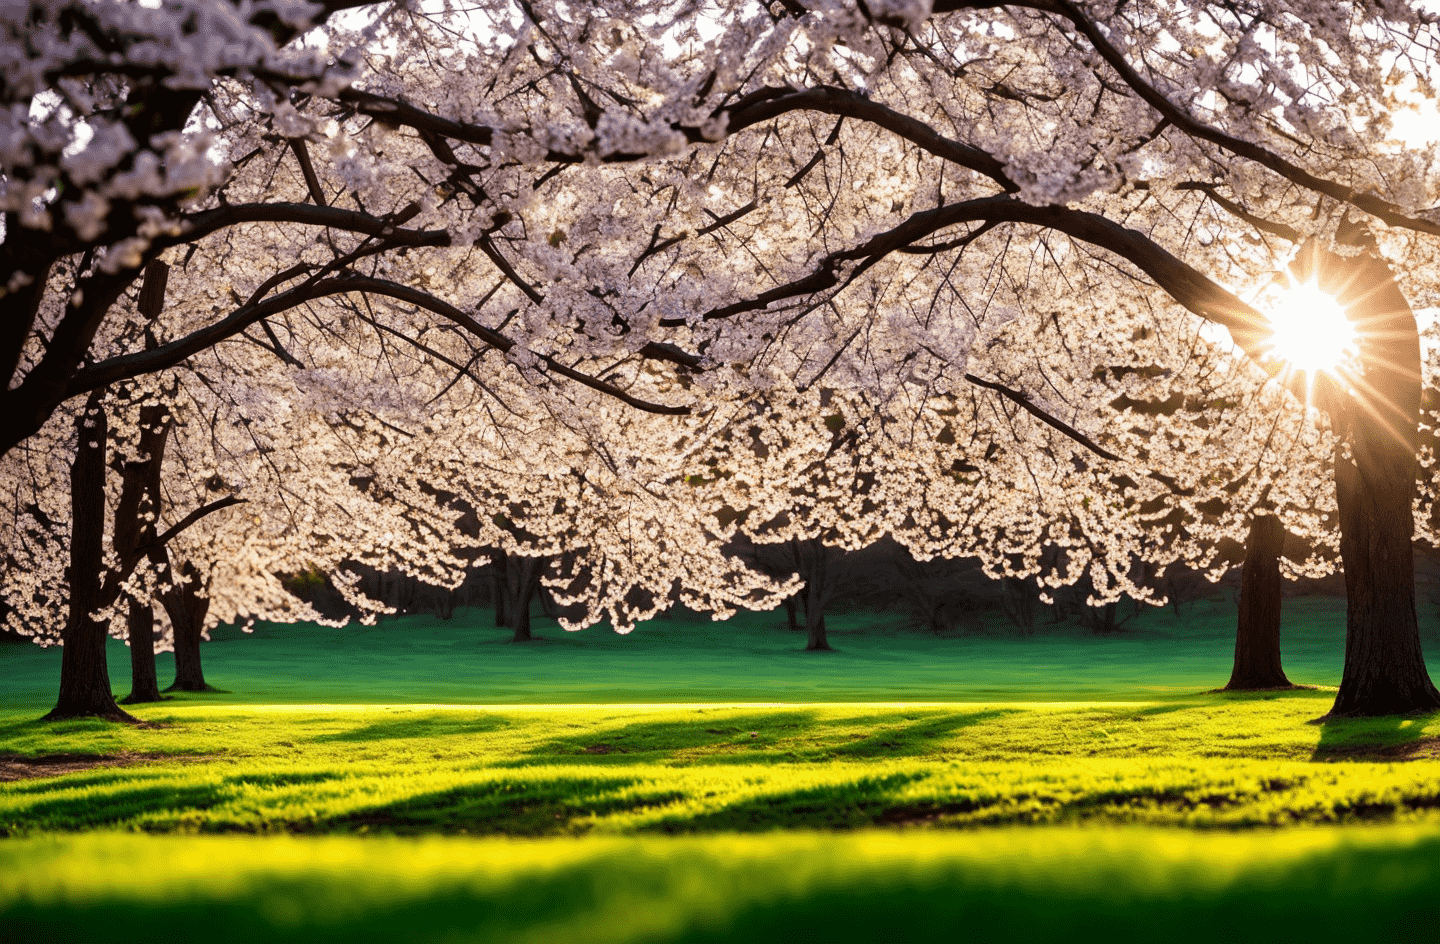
187, 608
1377, 415
84, 675
1257, 632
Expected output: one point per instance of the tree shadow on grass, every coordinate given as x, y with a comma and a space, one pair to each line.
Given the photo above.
425, 726
91, 808
854, 804
767, 737
18, 730
505, 807
1386, 738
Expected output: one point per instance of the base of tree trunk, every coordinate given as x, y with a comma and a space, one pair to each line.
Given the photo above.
70, 712
820, 647
1291, 687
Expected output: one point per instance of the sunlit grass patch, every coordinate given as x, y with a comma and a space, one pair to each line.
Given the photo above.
1200, 760
1046, 884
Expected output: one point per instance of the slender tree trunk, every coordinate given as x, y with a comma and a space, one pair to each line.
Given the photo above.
1378, 415
84, 676
522, 581
187, 609
499, 586
135, 516
815, 592
1257, 632
792, 603
547, 604
144, 686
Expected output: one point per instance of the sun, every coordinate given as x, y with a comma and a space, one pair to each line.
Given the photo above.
1311, 330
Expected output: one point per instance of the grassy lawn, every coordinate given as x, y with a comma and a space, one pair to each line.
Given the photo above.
420, 659
706, 782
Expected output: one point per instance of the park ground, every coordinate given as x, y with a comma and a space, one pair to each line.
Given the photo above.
696, 781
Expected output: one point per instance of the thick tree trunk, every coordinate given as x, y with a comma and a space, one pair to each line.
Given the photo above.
84, 676
187, 610
1377, 416
1257, 632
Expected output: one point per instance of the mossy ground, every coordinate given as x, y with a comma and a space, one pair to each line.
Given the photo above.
1115, 797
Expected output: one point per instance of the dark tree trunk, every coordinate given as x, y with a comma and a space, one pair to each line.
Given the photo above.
84, 676
1377, 416
548, 605
1019, 602
135, 515
498, 586
187, 609
792, 603
144, 686
1257, 632
810, 559
522, 580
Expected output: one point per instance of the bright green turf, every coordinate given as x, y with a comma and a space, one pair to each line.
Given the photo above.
750, 658
1202, 760
1036, 885
405, 729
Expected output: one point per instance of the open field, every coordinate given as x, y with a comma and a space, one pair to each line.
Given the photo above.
420, 659
1056, 786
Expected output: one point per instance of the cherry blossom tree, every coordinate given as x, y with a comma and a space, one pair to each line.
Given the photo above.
873, 178
854, 195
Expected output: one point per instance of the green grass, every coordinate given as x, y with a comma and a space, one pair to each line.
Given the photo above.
415, 659
1040, 885
392, 783
1203, 760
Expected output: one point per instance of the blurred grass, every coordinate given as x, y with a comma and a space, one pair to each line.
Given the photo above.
1198, 760
1012, 885
412, 659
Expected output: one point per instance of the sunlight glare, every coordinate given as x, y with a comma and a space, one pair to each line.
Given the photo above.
1311, 329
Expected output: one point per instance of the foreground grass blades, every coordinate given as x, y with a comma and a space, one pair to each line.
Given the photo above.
1033, 884
1201, 760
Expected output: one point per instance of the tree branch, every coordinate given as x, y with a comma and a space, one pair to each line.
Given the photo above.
195, 516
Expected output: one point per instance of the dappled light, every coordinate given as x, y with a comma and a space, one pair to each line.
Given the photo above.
550, 441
